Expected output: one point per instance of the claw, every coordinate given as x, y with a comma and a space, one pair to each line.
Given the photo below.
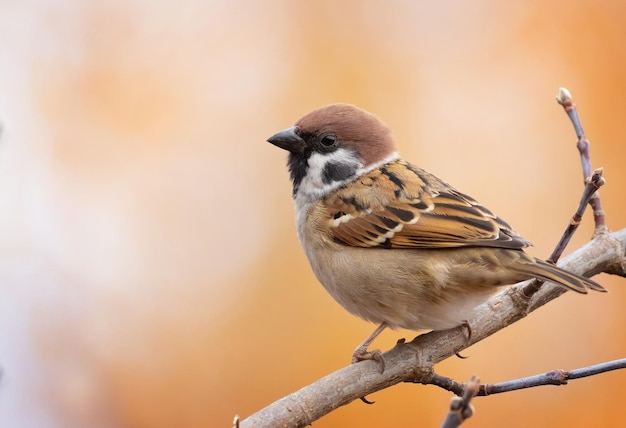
376, 355
366, 401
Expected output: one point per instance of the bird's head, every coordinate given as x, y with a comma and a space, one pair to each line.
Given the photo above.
332, 146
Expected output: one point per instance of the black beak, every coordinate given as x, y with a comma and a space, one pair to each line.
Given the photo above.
288, 139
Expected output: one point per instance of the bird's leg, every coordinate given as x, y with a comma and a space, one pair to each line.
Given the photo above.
361, 353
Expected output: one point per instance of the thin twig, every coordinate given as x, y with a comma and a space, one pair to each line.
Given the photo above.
446, 383
564, 98
460, 407
554, 377
592, 184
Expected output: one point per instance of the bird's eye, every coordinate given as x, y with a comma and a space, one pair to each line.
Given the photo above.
328, 140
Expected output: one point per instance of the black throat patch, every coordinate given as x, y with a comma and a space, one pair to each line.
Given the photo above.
298, 165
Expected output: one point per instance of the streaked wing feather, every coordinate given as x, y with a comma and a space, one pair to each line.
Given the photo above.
413, 209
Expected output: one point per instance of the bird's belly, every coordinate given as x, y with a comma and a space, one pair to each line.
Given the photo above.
417, 290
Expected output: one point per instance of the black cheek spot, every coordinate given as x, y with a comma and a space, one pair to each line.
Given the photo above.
338, 214
334, 171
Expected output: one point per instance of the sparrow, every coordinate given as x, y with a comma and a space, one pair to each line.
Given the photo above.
392, 243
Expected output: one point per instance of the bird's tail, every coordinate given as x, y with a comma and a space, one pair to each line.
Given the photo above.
549, 272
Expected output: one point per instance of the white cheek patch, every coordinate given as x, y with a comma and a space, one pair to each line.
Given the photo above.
326, 172
313, 176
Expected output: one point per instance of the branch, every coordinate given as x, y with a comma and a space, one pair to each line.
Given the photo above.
414, 361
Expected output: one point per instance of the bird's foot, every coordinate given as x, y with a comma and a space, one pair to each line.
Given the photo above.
362, 354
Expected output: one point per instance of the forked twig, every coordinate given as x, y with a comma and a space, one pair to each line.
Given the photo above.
593, 181
564, 98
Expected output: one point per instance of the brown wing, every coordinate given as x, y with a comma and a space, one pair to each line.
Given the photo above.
410, 208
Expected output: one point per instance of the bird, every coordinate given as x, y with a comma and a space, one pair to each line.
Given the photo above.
392, 243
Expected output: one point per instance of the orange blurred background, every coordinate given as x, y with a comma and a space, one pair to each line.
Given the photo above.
150, 274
